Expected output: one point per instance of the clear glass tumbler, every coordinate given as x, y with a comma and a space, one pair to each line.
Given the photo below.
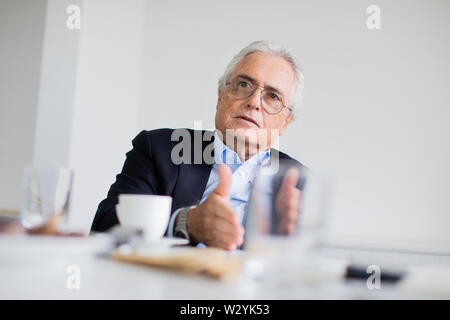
45, 196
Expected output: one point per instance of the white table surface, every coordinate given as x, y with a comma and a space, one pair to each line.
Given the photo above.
33, 267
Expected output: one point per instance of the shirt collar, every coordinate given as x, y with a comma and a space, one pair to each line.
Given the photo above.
223, 154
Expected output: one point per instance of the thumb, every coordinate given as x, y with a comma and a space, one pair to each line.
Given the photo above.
290, 179
224, 180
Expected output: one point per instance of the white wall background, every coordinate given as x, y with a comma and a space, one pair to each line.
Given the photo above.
89, 121
21, 39
57, 88
85, 108
107, 98
376, 112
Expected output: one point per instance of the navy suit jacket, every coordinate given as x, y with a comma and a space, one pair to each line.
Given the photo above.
148, 169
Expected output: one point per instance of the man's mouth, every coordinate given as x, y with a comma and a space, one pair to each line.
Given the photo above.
248, 119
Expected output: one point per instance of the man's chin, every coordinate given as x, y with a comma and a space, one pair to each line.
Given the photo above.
253, 137
243, 132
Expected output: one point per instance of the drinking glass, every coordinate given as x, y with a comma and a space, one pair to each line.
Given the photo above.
273, 255
46, 195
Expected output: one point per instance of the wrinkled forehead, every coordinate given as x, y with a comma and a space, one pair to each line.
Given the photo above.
267, 70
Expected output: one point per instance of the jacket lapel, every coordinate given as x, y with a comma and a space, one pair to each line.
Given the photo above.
192, 178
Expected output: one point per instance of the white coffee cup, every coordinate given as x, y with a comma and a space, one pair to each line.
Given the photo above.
150, 213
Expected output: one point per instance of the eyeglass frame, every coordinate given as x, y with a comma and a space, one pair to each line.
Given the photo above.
261, 99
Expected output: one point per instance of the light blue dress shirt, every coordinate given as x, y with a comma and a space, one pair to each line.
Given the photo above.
242, 178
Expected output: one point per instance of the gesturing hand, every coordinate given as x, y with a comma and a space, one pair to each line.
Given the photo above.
288, 202
213, 222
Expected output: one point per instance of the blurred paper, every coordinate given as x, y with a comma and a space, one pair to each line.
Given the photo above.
212, 262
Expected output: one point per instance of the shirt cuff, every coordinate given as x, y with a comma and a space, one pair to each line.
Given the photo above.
172, 222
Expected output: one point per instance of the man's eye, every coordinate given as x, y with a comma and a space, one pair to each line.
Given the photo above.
243, 84
273, 96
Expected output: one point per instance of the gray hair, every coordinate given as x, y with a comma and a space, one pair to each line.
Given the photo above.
270, 48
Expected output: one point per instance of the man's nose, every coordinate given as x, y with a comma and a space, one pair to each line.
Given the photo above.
255, 99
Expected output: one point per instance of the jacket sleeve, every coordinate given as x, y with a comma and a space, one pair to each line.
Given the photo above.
137, 177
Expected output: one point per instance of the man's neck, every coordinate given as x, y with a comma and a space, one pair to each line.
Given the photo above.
244, 149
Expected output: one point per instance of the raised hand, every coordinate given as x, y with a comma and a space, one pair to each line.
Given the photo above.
213, 222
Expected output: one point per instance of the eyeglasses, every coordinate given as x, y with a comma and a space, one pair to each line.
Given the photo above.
271, 100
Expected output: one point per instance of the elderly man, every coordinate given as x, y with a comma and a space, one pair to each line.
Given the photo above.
257, 97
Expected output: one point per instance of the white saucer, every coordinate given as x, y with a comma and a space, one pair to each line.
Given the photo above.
164, 243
